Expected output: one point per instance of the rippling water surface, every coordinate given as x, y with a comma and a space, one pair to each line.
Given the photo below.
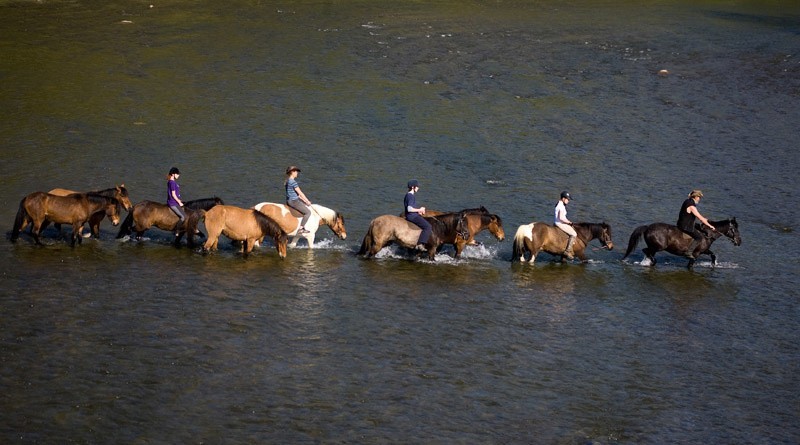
501, 104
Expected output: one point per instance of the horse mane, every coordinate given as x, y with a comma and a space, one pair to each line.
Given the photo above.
97, 198
267, 225
203, 204
596, 229
482, 210
111, 192
446, 222
327, 215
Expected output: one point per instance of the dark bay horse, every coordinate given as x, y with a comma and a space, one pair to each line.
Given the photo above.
75, 209
120, 193
661, 236
247, 225
388, 229
146, 214
537, 236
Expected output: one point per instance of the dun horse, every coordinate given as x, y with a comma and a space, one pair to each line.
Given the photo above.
388, 229
661, 236
289, 220
247, 225
538, 236
146, 214
120, 193
75, 209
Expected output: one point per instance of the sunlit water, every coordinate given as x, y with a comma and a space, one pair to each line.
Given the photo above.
495, 104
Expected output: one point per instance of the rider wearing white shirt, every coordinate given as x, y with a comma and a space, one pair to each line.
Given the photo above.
565, 224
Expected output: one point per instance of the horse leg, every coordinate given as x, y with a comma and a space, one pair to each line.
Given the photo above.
650, 254
310, 238
713, 257
36, 227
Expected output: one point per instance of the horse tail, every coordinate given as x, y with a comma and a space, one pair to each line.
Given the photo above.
125, 227
366, 244
518, 250
634, 241
19, 220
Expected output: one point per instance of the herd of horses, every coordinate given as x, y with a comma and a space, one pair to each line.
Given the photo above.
278, 222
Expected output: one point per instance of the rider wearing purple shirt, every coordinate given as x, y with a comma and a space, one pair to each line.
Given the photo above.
174, 197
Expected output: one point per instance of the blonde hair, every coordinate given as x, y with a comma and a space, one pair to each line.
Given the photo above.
696, 194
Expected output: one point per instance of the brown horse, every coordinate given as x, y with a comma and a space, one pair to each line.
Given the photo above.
120, 193
477, 220
537, 236
289, 220
75, 209
388, 229
247, 225
661, 236
146, 214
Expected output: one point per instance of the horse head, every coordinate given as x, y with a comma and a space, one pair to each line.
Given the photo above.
338, 226
113, 210
462, 226
605, 236
496, 227
732, 232
123, 197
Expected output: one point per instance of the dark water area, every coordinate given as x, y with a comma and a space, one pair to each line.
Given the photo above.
501, 104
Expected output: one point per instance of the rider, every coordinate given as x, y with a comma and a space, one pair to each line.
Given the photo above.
686, 219
296, 199
414, 214
174, 197
565, 224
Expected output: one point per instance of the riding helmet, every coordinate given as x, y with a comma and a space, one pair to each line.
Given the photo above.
413, 183
174, 171
292, 168
565, 194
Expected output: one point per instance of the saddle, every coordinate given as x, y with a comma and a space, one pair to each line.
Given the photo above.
294, 211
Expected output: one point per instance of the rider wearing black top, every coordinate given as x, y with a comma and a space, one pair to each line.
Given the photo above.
686, 220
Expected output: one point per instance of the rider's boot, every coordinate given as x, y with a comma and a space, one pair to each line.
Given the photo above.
690, 250
568, 251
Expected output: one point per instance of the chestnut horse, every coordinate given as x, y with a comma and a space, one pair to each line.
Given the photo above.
146, 214
661, 236
247, 225
289, 220
120, 193
476, 220
388, 229
538, 236
75, 209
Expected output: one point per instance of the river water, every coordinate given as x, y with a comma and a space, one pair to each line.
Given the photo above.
501, 104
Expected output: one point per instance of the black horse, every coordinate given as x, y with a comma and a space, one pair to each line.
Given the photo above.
660, 236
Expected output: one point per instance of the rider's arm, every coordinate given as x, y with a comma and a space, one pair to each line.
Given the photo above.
175, 197
302, 196
693, 210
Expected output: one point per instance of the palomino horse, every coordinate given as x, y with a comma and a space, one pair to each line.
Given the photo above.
387, 229
661, 236
537, 236
120, 193
75, 209
146, 214
289, 219
247, 225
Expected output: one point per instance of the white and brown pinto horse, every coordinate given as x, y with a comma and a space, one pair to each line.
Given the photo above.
246, 225
289, 220
538, 236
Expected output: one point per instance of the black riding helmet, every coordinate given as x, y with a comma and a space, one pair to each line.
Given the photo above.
174, 171
565, 194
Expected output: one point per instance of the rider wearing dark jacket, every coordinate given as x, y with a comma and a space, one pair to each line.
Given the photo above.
414, 214
686, 219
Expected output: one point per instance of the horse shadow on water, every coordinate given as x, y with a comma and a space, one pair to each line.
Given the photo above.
661, 236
